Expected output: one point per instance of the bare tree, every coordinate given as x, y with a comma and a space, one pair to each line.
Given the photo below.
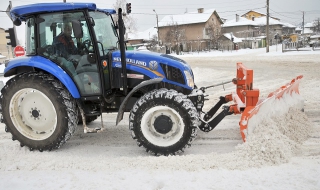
175, 36
154, 40
316, 26
128, 20
214, 31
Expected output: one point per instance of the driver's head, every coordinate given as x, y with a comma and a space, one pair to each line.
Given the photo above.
67, 29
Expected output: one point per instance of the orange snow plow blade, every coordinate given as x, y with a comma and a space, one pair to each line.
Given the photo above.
246, 98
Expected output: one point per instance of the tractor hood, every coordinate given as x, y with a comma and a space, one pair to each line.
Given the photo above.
151, 61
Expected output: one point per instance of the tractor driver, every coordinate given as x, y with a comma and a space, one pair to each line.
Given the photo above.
63, 43
68, 56
63, 47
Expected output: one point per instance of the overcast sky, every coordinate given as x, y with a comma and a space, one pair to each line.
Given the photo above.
290, 11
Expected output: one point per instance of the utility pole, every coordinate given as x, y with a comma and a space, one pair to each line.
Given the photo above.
302, 22
267, 29
157, 27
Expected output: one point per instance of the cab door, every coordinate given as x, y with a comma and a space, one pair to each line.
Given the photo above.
107, 41
82, 63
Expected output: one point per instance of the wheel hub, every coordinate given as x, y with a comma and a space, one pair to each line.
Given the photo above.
35, 113
163, 124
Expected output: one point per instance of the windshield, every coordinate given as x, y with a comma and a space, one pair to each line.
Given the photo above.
105, 31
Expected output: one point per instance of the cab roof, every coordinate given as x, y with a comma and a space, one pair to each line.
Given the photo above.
21, 12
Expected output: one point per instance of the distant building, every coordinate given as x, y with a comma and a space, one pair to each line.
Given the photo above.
251, 28
193, 31
251, 15
145, 38
3, 43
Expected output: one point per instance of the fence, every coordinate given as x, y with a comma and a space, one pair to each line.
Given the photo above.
299, 46
316, 46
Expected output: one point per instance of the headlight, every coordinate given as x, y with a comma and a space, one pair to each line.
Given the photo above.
189, 79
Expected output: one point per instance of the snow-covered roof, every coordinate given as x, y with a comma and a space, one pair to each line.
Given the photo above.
261, 21
308, 25
188, 18
145, 35
235, 39
307, 31
288, 25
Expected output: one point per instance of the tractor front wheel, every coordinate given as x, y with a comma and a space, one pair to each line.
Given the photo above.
164, 122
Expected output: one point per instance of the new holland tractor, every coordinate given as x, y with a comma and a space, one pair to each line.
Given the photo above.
49, 93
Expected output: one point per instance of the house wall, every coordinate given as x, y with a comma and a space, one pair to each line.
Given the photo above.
3, 44
135, 41
241, 31
251, 14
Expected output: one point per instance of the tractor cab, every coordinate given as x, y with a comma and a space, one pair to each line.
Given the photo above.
78, 41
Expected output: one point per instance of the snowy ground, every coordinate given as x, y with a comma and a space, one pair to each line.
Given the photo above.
285, 156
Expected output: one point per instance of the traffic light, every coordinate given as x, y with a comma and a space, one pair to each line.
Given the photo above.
128, 8
11, 37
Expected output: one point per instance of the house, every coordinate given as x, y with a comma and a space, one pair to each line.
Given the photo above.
229, 42
253, 31
3, 44
288, 28
193, 31
137, 39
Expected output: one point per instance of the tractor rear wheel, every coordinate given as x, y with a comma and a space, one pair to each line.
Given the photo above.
164, 122
38, 111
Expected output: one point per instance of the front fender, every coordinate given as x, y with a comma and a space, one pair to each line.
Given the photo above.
125, 101
43, 64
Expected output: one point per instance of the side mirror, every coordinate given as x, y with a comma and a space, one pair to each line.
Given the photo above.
77, 29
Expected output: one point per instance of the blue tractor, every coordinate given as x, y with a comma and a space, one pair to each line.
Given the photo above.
50, 92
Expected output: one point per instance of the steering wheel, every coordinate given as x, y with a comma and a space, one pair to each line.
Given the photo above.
86, 45
46, 50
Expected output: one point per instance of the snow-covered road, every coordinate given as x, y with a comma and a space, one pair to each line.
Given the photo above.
216, 160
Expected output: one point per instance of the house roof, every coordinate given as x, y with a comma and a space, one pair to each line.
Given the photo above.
288, 25
188, 18
307, 31
308, 25
235, 39
261, 21
145, 35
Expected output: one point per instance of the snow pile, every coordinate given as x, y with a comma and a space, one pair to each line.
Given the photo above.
274, 132
275, 140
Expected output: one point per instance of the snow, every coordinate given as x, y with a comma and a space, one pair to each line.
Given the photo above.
186, 18
257, 22
283, 151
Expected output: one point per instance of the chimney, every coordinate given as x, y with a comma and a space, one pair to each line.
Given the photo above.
200, 10
237, 18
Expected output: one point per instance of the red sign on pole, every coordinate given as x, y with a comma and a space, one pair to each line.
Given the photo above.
18, 51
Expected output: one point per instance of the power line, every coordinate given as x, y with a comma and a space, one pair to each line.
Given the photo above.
198, 4
197, 13
281, 14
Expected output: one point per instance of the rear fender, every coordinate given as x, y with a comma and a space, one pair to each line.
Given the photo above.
125, 101
22, 64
